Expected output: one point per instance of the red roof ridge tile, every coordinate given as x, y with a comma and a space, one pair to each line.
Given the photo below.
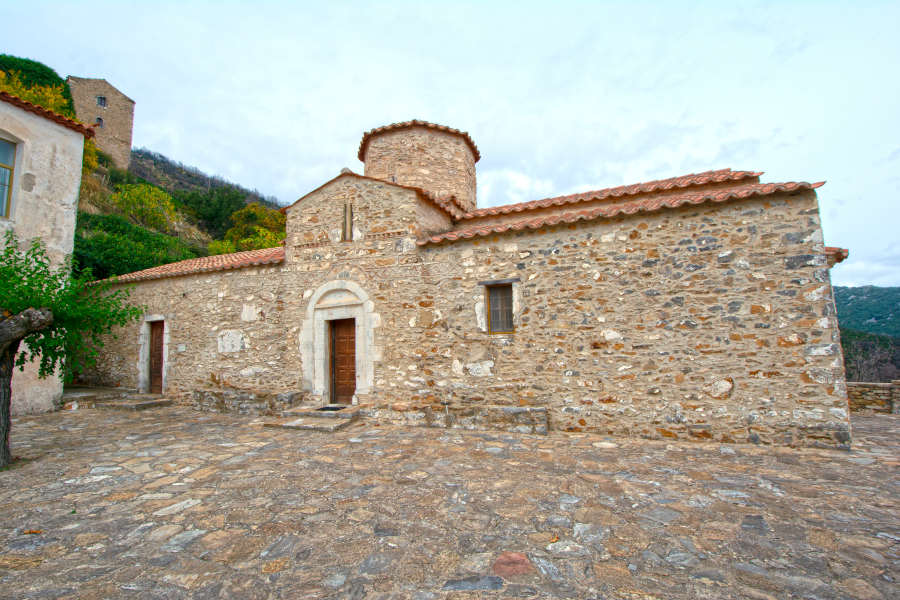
205, 264
623, 208
363, 144
72, 124
681, 181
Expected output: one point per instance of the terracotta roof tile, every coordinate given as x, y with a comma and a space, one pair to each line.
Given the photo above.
624, 208
659, 185
415, 123
220, 262
837, 254
47, 114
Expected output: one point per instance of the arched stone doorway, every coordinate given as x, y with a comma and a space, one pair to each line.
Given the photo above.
335, 301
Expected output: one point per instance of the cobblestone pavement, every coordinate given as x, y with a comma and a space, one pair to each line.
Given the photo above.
171, 503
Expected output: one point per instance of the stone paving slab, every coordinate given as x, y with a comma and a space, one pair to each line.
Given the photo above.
172, 503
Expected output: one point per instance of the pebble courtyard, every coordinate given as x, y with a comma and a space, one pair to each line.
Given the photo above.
173, 503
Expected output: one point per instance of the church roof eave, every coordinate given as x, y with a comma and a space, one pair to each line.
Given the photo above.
646, 205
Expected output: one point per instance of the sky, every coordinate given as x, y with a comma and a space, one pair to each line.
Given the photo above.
560, 97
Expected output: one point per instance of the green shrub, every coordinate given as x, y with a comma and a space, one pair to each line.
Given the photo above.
213, 208
145, 204
33, 73
108, 245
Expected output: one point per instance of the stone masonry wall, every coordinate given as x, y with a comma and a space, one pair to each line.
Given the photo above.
224, 330
713, 322
439, 162
706, 322
46, 179
114, 137
880, 397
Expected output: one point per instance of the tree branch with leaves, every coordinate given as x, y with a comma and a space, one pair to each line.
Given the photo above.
49, 316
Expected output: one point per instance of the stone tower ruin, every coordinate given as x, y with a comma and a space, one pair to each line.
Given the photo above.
438, 159
109, 111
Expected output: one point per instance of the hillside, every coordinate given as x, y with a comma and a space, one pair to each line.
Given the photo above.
869, 318
869, 308
173, 176
870, 357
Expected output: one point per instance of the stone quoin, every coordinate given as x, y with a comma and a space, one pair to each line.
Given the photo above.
698, 307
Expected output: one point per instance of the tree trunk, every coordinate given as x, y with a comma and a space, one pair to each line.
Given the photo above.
13, 329
7, 360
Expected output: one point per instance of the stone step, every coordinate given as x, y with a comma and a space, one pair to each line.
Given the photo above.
310, 424
128, 403
343, 412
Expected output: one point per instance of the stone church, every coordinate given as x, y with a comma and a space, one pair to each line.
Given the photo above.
697, 307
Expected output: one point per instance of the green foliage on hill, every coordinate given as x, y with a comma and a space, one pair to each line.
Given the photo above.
110, 245
255, 227
33, 73
213, 208
869, 308
869, 356
145, 205
174, 176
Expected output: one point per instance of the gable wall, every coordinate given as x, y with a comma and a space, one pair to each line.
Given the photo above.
379, 209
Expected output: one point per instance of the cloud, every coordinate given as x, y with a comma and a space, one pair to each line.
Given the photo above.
278, 97
506, 186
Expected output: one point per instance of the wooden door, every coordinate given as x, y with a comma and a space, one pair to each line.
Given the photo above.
343, 361
156, 356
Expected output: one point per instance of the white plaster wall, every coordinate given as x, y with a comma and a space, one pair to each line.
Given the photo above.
46, 181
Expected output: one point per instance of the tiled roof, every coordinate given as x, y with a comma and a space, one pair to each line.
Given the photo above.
446, 203
415, 123
47, 114
659, 185
625, 208
220, 262
837, 254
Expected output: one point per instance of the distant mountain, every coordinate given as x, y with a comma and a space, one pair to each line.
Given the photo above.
173, 176
869, 308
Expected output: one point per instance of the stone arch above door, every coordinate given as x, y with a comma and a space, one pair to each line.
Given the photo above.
338, 299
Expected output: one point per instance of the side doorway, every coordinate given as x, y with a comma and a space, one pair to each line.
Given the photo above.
157, 331
342, 338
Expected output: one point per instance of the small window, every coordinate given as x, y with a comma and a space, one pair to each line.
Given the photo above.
500, 308
101, 101
7, 164
347, 228
99, 122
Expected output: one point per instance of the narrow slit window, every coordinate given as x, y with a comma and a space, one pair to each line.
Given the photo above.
7, 164
347, 229
500, 308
